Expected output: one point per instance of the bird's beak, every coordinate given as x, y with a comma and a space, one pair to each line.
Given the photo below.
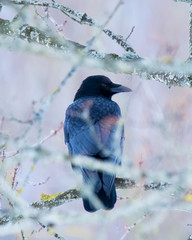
117, 88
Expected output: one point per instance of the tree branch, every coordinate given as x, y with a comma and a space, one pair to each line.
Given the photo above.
190, 34
187, 1
81, 18
178, 74
55, 200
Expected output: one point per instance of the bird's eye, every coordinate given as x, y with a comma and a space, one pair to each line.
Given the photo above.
104, 85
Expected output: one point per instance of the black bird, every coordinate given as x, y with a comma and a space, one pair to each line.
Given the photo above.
92, 128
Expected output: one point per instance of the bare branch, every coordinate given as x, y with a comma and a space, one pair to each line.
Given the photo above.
133, 226
187, 1
81, 18
130, 33
50, 230
178, 74
54, 200
35, 145
190, 34
23, 235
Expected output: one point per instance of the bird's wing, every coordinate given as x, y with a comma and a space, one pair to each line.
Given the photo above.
103, 138
111, 132
83, 143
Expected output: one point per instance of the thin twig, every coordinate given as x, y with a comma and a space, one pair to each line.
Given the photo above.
133, 226
39, 183
2, 123
190, 34
130, 33
50, 230
120, 2
5, 155
30, 121
22, 235
14, 176
52, 133
81, 19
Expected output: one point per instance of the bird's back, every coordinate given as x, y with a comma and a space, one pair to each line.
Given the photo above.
97, 117
92, 128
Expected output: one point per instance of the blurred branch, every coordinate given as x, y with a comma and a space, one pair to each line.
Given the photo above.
23, 235
35, 145
52, 133
133, 226
190, 27
50, 230
190, 237
190, 33
81, 18
130, 33
34, 35
54, 200
187, 1
176, 74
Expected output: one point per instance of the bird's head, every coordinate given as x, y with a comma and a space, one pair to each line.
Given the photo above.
99, 85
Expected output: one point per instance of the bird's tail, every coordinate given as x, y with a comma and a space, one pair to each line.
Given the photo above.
107, 198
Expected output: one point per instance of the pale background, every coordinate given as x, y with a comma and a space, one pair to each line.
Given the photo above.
157, 118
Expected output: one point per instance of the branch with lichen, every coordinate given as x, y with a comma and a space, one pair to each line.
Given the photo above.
55, 200
175, 74
81, 18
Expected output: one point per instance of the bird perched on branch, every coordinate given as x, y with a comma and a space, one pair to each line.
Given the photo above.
93, 128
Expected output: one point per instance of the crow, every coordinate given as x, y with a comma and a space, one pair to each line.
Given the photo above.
93, 128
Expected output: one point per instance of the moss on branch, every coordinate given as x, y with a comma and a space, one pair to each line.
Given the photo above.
54, 200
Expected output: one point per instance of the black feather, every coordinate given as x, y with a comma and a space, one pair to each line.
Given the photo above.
91, 129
